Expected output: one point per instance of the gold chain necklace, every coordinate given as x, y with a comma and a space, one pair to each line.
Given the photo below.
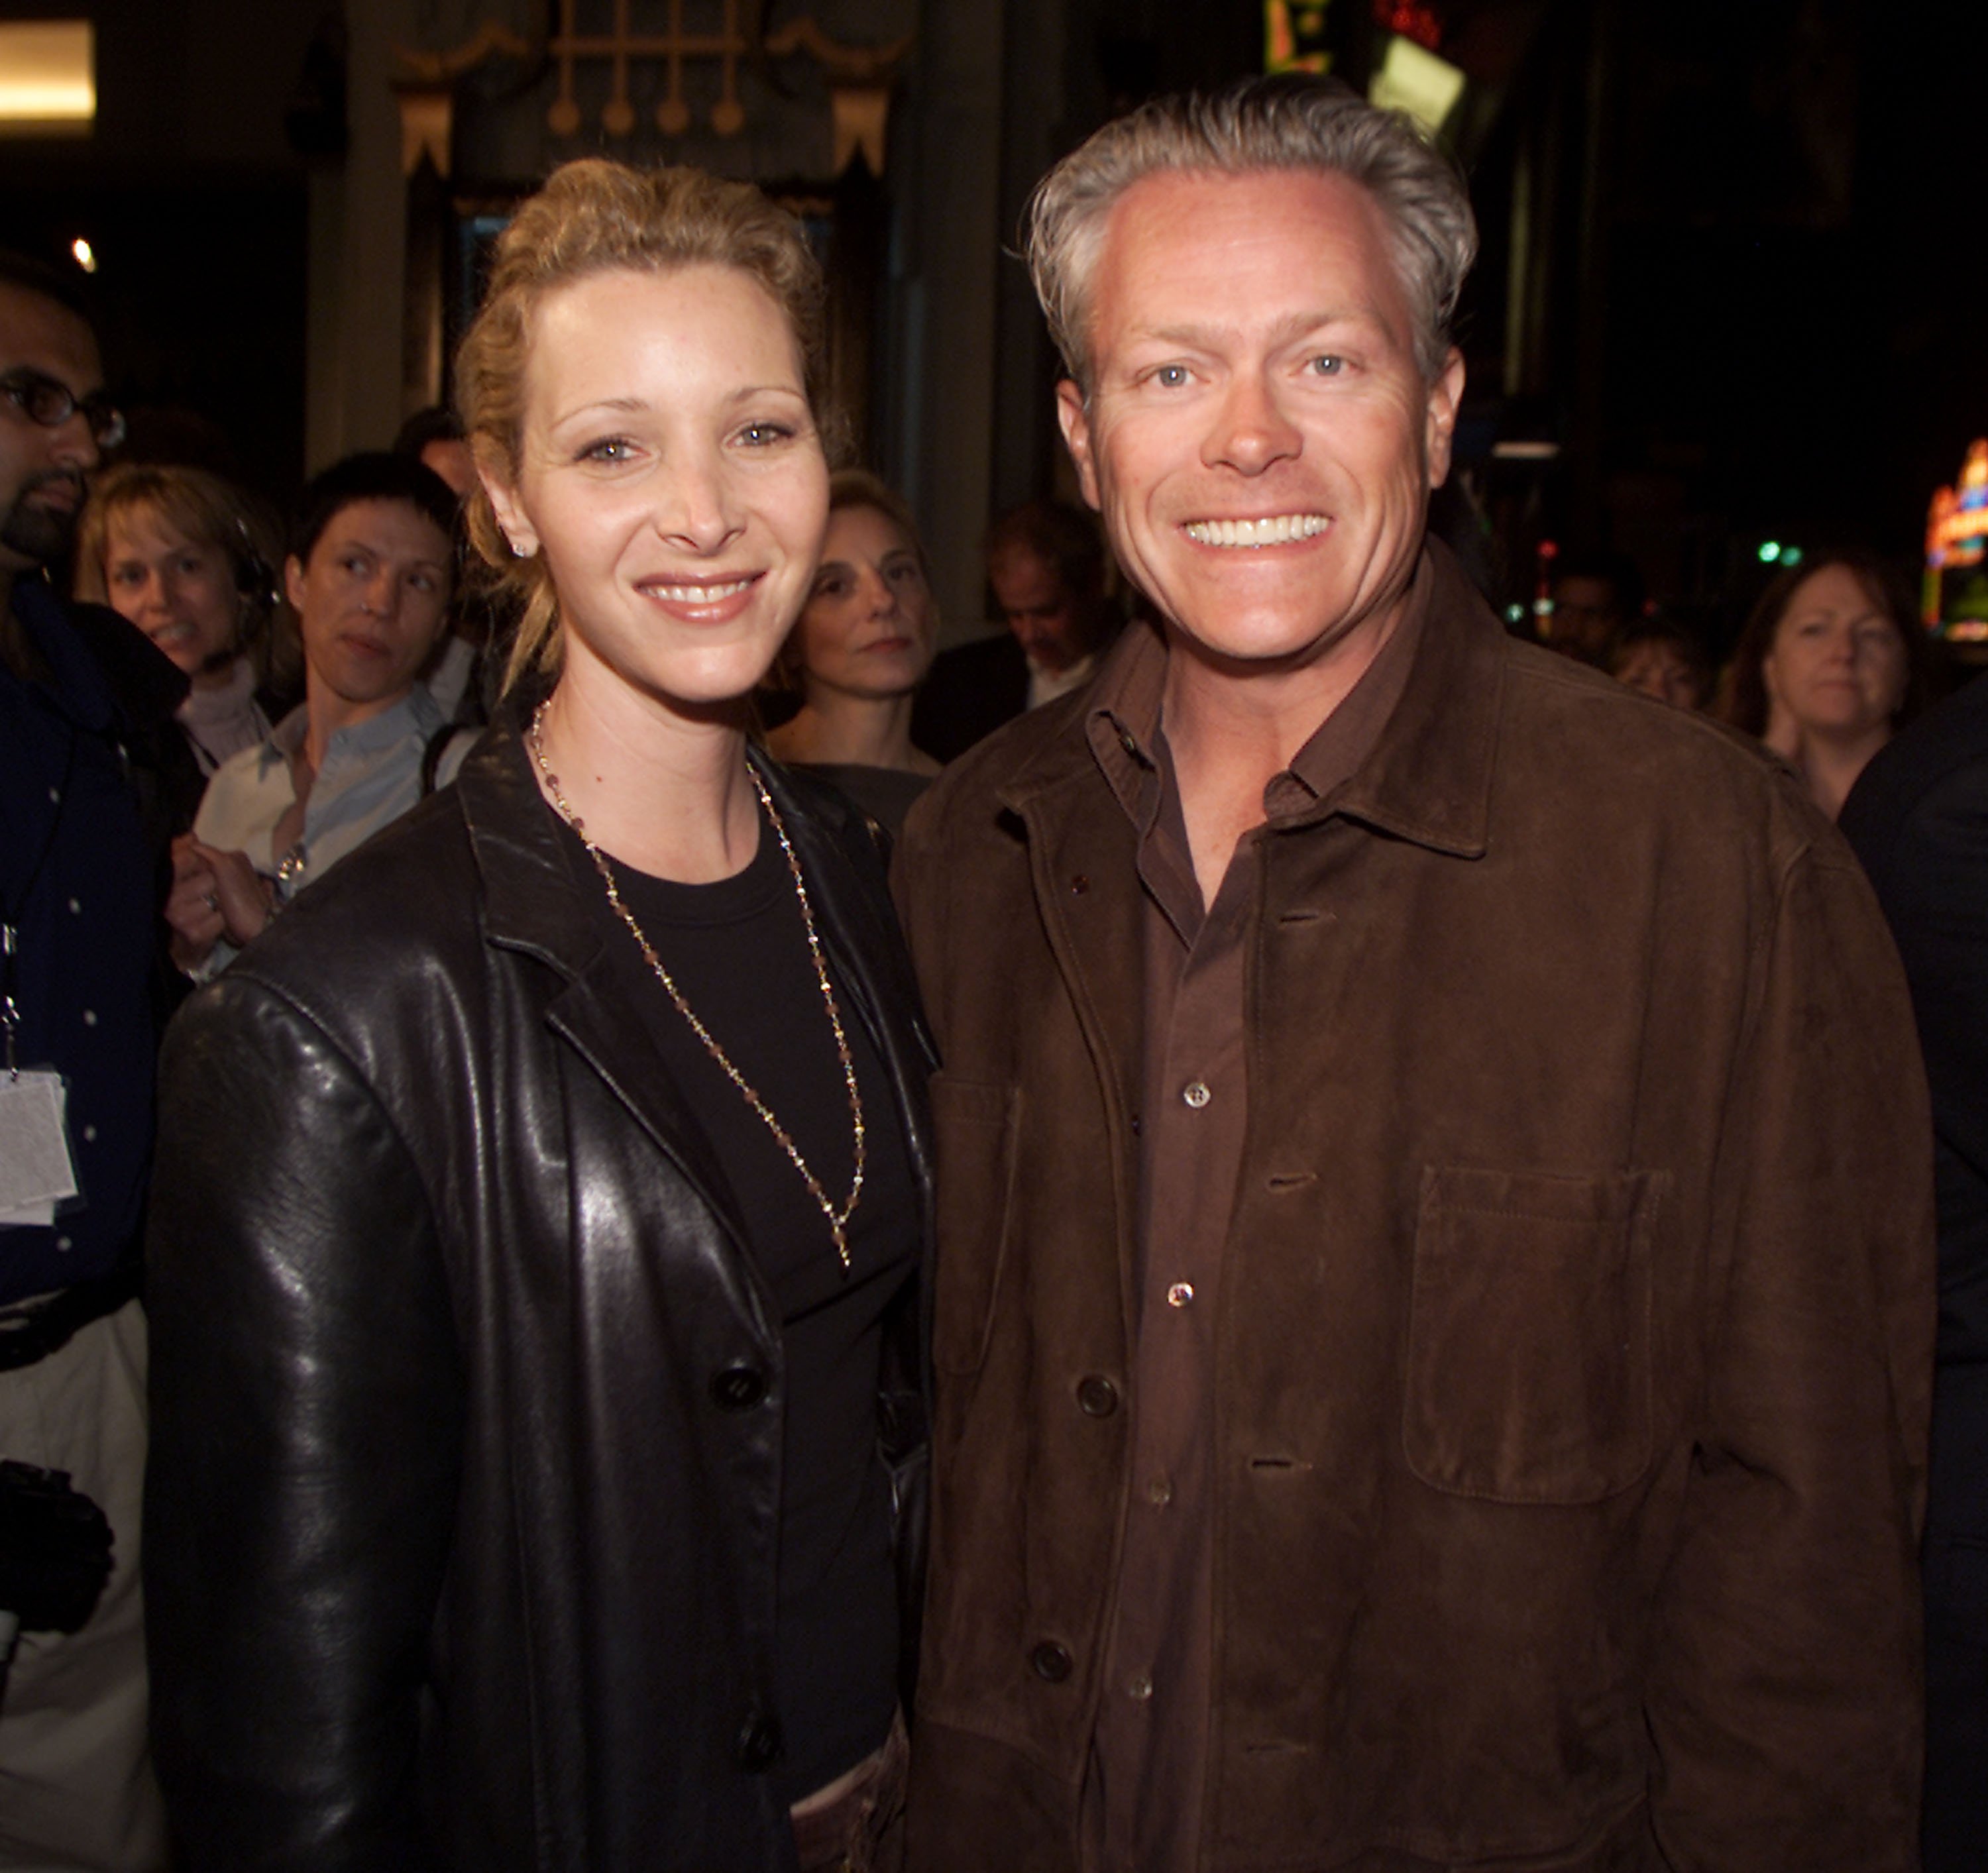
838, 1219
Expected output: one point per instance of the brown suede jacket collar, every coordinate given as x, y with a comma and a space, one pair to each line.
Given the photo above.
1429, 777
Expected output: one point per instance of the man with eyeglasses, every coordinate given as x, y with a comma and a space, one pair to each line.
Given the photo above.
86, 748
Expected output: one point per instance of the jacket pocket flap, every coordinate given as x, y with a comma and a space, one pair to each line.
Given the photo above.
1529, 1375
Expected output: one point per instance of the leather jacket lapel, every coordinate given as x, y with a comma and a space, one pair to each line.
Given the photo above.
533, 906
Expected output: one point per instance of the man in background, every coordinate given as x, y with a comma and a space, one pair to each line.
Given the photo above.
87, 740
1046, 565
1596, 596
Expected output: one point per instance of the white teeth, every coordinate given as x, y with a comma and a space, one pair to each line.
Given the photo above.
696, 594
1272, 530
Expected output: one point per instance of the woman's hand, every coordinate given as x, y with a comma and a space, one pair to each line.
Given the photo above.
214, 895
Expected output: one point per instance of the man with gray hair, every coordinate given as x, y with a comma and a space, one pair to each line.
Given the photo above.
1434, 1293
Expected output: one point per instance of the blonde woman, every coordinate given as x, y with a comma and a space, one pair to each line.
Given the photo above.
536, 1258
191, 562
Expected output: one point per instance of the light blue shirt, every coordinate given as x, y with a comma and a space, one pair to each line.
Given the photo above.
370, 776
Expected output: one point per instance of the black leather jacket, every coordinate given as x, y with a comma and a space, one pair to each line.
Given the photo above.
466, 1399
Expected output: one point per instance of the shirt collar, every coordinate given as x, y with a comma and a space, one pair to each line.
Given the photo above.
1046, 685
416, 713
1124, 728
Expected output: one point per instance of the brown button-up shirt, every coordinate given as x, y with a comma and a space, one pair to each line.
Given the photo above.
1142, 1805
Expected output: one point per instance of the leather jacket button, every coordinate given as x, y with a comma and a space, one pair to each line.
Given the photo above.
738, 1388
758, 1743
1051, 1661
1097, 1395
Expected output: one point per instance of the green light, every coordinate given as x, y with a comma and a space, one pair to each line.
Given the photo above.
1770, 551
1791, 556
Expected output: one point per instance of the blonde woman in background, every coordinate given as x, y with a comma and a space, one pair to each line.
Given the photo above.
190, 561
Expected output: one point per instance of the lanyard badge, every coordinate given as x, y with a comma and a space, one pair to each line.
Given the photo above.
37, 1168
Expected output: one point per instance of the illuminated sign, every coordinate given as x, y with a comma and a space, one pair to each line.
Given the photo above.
1957, 542
1294, 36
1416, 81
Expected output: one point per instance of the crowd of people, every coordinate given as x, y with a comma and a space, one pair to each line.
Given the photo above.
1247, 1223
1830, 663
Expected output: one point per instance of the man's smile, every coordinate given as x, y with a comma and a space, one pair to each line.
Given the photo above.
1268, 530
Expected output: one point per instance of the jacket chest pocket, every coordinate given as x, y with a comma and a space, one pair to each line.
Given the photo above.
1529, 1376
973, 1134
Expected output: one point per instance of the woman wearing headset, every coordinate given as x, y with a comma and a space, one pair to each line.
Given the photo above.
186, 559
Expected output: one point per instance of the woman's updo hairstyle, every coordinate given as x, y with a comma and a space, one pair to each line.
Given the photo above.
598, 217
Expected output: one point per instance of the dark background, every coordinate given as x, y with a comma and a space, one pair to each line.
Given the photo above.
1746, 301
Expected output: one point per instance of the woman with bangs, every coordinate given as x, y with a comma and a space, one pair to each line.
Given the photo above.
538, 1401
190, 562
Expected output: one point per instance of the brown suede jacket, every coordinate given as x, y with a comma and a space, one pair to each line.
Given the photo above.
1575, 1325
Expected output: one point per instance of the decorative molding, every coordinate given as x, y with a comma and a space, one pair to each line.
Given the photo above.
859, 85
491, 39
427, 119
859, 77
843, 64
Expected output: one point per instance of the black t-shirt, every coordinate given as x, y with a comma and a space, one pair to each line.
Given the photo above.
737, 951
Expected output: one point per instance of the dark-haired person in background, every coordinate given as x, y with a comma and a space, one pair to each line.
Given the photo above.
371, 564
455, 673
434, 437
1661, 657
1596, 593
89, 757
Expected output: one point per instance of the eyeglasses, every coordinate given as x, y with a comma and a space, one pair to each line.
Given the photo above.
51, 403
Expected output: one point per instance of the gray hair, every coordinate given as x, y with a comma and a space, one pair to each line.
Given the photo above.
1285, 122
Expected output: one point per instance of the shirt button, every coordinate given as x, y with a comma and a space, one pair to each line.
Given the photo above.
1180, 1294
1196, 1093
1159, 1492
1139, 1686
89, 1134
64, 1244
54, 794
75, 907
89, 1017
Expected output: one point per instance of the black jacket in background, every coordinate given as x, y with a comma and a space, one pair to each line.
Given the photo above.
969, 692
467, 1397
1918, 819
